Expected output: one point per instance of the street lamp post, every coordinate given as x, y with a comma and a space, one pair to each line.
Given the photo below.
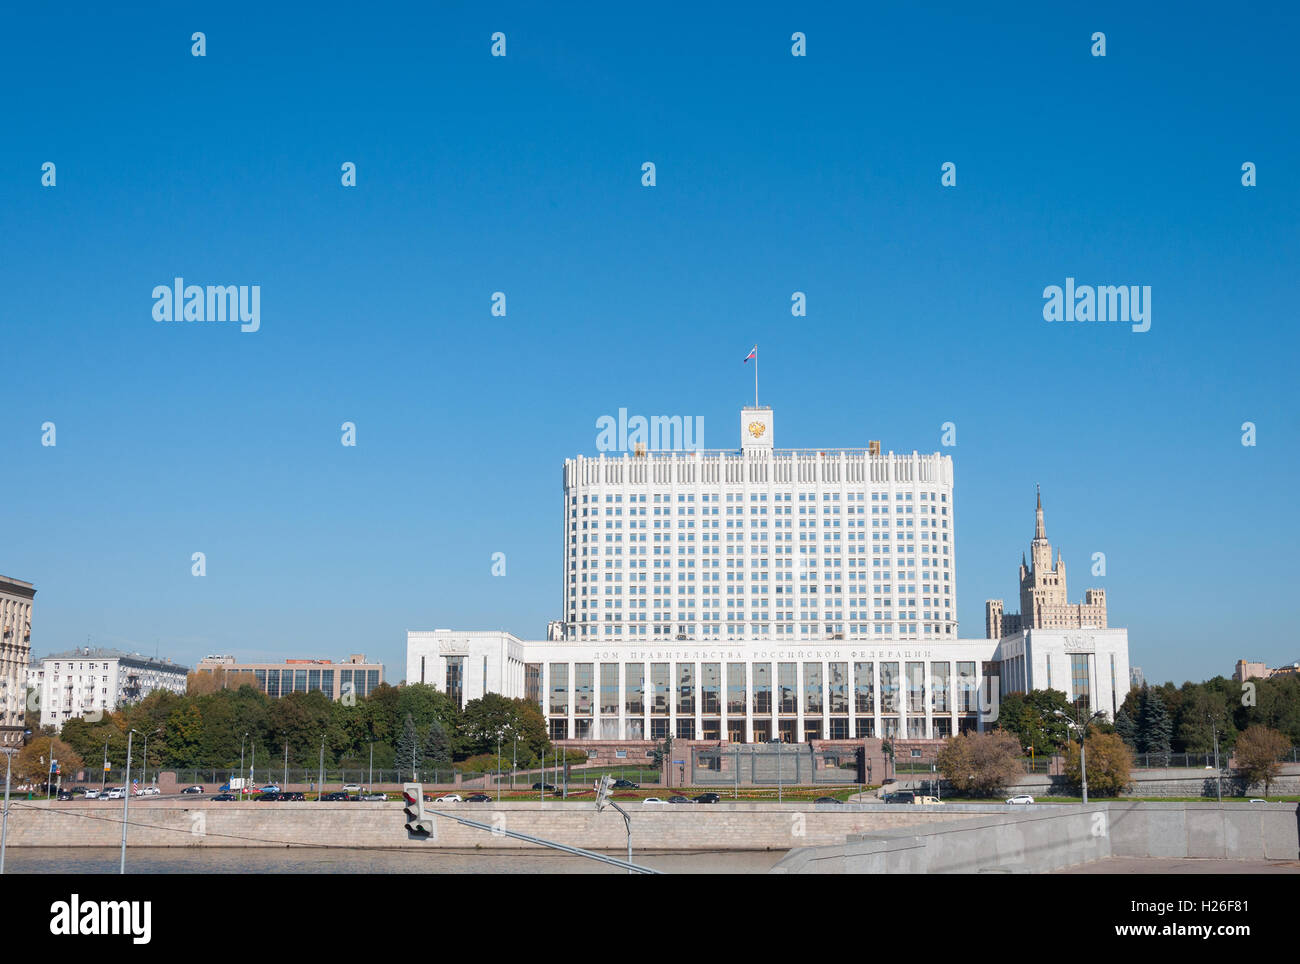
320, 787
514, 762
370, 781
1083, 736
126, 799
241, 763
498, 766
4, 821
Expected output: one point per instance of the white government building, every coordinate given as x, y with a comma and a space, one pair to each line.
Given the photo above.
768, 594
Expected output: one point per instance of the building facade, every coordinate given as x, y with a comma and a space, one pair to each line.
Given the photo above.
353, 677
769, 595
16, 599
1247, 670
85, 682
789, 545
1044, 602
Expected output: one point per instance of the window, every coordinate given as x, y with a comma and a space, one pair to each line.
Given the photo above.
559, 689
456, 680
812, 689
864, 688
635, 697
582, 686
685, 694
788, 686
710, 689
736, 690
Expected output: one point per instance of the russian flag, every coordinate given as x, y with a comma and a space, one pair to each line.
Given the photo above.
753, 353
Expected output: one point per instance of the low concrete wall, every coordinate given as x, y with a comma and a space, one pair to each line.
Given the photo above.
1021, 840
1236, 831
725, 826
1048, 837
1170, 782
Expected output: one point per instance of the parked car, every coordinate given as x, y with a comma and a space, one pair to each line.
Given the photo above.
194, 789
626, 785
224, 796
1021, 798
267, 797
450, 798
548, 787
901, 796
351, 788
336, 795
708, 798
65, 795
292, 795
270, 788
150, 791
115, 793
828, 800
1257, 800
374, 797
478, 798
680, 799
92, 793
652, 801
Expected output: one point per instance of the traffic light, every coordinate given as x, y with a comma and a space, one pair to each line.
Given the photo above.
418, 822
603, 788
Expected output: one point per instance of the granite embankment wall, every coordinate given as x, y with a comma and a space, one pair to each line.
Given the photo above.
724, 826
1043, 838
1171, 782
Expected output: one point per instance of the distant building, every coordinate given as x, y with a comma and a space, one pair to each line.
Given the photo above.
354, 677
1044, 603
16, 599
1136, 678
81, 681
1247, 670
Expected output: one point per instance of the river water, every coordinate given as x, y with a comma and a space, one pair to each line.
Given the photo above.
337, 860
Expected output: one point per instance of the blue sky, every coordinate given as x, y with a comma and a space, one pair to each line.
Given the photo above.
522, 174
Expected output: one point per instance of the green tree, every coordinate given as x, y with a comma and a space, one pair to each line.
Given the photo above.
1259, 755
408, 750
1126, 728
1109, 764
1155, 729
494, 715
437, 747
1030, 718
981, 764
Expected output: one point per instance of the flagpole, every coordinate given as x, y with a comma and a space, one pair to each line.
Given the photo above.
755, 376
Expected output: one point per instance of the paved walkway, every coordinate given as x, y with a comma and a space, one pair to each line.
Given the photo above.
1183, 865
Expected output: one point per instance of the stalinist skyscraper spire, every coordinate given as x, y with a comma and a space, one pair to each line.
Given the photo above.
1044, 603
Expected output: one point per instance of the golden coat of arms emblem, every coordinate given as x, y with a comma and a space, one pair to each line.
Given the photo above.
757, 429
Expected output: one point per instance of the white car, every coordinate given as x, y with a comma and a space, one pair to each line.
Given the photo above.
1021, 798
92, 794
150, 792
449, 798
652, 801
351, 788
114, 793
